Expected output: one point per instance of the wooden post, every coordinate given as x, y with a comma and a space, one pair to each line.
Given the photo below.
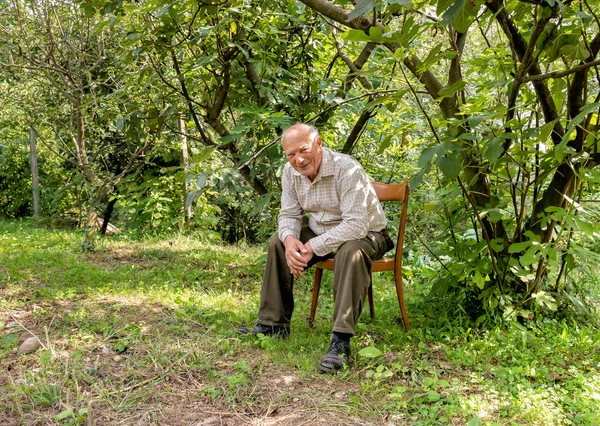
34, 173
185, 161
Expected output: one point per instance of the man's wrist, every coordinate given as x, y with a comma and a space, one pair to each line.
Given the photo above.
286, 234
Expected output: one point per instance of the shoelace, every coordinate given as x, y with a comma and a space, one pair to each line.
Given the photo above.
339, 347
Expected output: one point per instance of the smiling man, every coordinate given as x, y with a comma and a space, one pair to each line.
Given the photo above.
345, 221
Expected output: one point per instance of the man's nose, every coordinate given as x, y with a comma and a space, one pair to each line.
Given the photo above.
300, 160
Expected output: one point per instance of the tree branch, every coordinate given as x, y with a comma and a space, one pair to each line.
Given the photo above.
255, 80
560, 74
520, 47
188, 99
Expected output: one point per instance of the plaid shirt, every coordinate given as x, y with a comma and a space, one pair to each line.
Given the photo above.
341, 203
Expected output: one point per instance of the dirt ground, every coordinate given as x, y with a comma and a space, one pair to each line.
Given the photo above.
163, 396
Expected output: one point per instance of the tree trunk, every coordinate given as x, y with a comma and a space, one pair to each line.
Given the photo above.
185, 161
34, 173
107, 215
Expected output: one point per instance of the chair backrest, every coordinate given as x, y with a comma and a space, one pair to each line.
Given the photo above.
396, 192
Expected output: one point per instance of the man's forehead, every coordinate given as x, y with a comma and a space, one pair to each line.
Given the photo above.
296, 146
298, 139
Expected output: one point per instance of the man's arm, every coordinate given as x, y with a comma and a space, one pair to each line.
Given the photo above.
290, 214
289, 226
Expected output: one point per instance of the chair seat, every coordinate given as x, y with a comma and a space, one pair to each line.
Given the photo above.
380, 265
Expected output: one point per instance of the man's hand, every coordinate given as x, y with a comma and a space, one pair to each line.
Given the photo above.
297, 255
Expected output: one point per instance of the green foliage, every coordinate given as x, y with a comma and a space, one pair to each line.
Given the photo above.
15, 179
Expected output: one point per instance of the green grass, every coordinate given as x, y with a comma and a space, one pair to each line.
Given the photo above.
142, 331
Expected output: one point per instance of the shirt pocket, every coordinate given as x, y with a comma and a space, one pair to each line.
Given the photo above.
328, 202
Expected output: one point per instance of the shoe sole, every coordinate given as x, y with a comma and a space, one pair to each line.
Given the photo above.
326, 370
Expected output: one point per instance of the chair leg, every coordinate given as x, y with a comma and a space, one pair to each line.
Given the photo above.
400, 293
371, 304
315, 296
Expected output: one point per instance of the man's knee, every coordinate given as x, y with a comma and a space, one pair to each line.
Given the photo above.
275, 243
351, 250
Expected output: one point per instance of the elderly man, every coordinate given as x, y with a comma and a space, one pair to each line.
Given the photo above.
345, 221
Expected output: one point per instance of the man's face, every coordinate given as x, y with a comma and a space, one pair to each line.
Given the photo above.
303, 153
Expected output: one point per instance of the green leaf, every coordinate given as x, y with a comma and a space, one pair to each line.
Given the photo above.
133, 36
409, 31
476, 421
529, 258
416, 180
432, 58
583, 112
442, 6
120, 123
585, 18
201, 181
518, 247
450, 166
362, 7
384, 144
428, 153
494, 150
262, 202
203, 155
356, 35
400, 2
465, 17
64, 415
495, 215
376, 34
452, 13
586, 227
45, 357
544, 299
451, 90
497, 244
577, 51
479, 280
546, 130
88, 10
433, 396
370, 352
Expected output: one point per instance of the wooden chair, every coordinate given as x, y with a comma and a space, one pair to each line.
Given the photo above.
385, 192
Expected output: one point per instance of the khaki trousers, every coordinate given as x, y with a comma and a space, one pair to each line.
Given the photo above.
351, 280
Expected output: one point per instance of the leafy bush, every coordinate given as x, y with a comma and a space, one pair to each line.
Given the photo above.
15, 179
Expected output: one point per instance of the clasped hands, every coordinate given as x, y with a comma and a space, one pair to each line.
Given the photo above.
297, 255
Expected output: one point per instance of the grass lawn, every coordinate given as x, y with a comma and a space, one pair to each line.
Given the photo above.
144, 332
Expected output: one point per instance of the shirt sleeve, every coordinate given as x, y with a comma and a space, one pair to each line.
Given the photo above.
354, 187
290, 215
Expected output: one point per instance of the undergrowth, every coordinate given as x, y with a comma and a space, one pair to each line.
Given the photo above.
143, 331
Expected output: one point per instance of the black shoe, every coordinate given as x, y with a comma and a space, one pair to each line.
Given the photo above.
336, 358
267, 330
